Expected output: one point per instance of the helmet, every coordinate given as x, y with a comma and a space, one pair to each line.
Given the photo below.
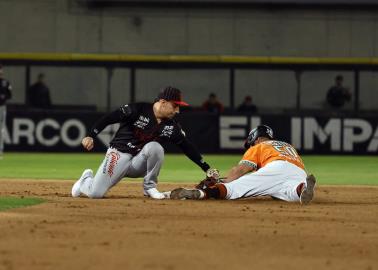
259, 131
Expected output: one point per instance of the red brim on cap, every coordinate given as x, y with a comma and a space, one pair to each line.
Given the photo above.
180, 103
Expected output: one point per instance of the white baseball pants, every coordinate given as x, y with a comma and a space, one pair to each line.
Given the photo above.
116, 165
278, 179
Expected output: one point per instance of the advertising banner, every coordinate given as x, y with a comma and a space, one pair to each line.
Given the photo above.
63, 132
312, 135
217, 2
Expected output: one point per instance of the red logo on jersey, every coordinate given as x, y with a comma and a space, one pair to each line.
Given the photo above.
114, 157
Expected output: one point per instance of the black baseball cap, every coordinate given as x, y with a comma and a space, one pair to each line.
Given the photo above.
172, 94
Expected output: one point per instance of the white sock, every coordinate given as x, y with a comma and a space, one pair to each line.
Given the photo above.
202, 194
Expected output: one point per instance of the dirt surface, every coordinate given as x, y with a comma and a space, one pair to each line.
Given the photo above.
127, 231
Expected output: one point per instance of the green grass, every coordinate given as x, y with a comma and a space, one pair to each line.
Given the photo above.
13, 202
356, 170
344, 170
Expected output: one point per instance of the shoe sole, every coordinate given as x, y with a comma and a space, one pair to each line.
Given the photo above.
308, 193
182, 194
165, 194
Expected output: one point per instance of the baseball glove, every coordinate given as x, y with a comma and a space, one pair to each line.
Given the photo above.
212, 178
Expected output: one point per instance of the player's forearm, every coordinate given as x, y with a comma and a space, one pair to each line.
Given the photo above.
235, 173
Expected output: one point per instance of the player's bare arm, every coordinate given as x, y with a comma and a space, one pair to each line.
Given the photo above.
237, 171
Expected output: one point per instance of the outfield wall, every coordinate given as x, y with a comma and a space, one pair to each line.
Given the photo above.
62, 132
67, 26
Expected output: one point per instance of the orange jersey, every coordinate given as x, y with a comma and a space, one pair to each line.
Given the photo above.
261, 154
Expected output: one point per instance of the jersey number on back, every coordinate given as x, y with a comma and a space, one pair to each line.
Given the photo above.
285, 150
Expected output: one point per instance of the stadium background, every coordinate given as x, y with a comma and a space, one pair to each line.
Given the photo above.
97, 55
64, 26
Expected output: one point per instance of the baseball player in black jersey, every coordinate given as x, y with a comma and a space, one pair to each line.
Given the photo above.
5, 94
135, 151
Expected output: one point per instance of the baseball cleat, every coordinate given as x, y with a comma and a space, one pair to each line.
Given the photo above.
76, 187
307, 193
183, 193
154, 194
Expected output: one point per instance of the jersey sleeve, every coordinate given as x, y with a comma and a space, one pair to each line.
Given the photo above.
178, 135
188, 148
193, 154
128, 111
251, 157
124, 113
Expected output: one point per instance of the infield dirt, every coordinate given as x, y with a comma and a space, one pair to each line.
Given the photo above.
127, 231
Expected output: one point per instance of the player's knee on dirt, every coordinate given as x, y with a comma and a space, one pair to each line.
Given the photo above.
218, 191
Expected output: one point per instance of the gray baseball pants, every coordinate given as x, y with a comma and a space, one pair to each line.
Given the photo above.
116, 165
3, 114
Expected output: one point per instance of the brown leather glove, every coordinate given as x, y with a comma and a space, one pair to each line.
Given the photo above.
212, 178
207, 182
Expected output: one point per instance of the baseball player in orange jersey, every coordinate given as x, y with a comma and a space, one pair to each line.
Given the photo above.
268, 167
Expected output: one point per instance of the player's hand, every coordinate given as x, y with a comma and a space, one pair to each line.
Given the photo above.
212, 178
87, 143
213, 173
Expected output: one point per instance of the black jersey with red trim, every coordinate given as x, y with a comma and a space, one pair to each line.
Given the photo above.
139, 126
